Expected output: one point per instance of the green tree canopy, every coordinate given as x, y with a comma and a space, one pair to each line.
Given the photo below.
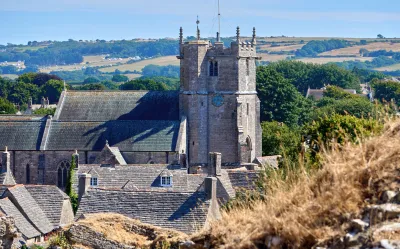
279, 139
280, 100
91, 80
144, 84
52, 90
119, 78
6, 107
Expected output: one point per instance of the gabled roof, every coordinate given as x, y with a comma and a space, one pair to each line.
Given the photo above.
269, 161
21, 223
118, 105
135, 135
6, 178
50, 200
142, 177
186, 212
27, 205
118, 156
21, 135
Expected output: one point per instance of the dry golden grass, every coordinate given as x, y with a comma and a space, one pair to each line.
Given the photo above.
394, 67
338, 59
161, 61
282, 47
129, 231
272, 57
133, 76
371, 47
306, 208
91, 61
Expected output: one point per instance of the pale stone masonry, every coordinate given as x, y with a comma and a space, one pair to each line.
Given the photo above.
215, 110
219, 99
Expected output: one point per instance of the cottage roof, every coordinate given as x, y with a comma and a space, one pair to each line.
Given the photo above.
50, 200
21, 135
133, 135
142, 177
270, 161
22, 224
243, 179
176, 210
20, 196
118, 105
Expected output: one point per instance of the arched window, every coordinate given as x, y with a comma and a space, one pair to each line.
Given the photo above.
62, 173
213, 68
28, 174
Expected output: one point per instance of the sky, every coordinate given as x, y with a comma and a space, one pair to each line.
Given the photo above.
37, 20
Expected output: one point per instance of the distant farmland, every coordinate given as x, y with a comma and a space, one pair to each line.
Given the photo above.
138, 66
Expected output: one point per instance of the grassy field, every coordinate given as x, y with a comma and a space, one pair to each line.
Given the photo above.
307, 39
10, 76
282, 47
394, 67
371, 47
339, 59
161, 61
133, 76
92, 61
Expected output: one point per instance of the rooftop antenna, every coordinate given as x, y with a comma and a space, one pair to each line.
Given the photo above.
219, 24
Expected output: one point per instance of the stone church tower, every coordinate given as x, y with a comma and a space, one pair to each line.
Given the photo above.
219, 100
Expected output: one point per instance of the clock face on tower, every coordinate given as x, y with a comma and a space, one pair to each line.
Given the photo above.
218, 100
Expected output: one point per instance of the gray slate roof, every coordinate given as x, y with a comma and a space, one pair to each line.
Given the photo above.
136, 135
180, 211
142, 177
50, 200
20, 196
21, 223
118, 105
243, 179
21, 135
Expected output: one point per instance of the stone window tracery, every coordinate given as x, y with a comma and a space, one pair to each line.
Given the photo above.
62, 173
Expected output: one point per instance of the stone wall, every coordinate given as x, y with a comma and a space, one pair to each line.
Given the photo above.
8, 233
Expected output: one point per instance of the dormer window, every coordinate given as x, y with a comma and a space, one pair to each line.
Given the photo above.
93, 182
166, 181
213, 68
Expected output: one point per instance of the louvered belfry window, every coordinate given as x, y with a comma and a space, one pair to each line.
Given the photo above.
213, 68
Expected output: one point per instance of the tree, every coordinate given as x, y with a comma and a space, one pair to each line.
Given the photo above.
336, 128
6, 107
45, 111
280, 101
119, 78
386, 91
42, 78
363, 52
143, 84
52, 89
91, 80
280, 139
92, 87
379, 36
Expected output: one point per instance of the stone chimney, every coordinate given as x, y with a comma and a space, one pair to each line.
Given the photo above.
75, 159
42, 102
214, 164
83, 185
5, 160
210, 187
30, 103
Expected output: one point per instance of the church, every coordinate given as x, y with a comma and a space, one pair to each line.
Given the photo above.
215, 110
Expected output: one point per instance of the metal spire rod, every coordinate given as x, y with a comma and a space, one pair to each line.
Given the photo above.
219, 20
